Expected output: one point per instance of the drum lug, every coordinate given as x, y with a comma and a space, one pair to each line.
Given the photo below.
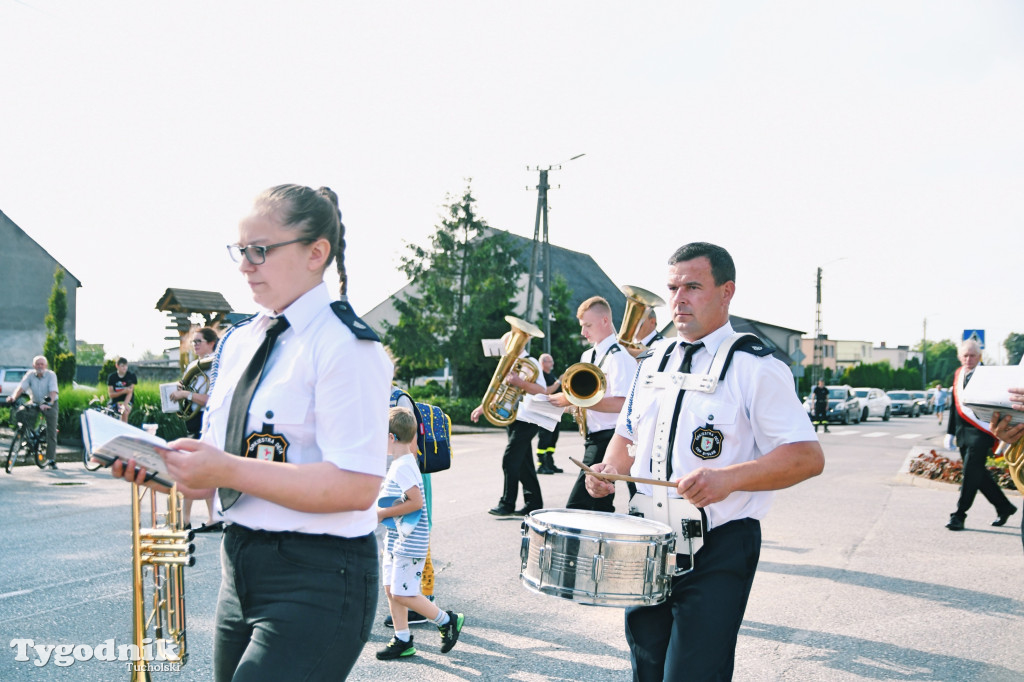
544, 559
524, 548
598, 568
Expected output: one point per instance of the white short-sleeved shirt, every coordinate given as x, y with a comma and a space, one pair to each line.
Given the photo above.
39, 388
755, 409
619, 368
323, 390
403, 474
524, 413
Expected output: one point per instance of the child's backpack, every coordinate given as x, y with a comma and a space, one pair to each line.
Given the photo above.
434, 439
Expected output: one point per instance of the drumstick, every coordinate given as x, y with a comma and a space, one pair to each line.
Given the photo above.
621, 477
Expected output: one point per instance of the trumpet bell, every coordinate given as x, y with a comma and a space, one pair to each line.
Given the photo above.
584, 384
638, 302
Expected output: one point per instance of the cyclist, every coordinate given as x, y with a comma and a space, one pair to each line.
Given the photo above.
121, 388
41, 385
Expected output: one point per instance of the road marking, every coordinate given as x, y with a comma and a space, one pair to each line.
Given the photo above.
848, 432
876, 434
908, 436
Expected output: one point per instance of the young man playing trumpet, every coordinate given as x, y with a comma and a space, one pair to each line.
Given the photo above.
595, 316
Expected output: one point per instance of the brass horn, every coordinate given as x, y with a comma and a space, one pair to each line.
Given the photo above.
159, 556
584, 384
638, 302
1014, 457
195, 380
501, 400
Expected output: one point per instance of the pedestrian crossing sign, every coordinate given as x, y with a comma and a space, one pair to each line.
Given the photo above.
976, 335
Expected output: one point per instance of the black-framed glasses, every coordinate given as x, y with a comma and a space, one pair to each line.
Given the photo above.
257, 255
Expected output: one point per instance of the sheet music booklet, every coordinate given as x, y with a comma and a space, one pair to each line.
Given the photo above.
988, 392
108, 439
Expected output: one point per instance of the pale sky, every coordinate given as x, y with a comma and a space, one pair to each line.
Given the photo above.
881, 141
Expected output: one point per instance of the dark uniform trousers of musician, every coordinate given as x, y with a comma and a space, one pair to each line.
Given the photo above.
975, 448
593, 452
517, 466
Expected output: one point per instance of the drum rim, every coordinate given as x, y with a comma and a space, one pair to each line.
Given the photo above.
663, 531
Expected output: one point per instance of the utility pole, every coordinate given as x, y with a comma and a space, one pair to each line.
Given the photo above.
817, 362
924, 354
540, 239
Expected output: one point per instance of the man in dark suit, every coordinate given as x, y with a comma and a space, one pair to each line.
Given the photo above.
975, 442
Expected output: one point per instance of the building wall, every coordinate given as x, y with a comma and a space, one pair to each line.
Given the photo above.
852, 353
26, 280
828, 349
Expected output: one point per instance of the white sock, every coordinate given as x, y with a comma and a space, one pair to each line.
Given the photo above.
441, 619
403, 635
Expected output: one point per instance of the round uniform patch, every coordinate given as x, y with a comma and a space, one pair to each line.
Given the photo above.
706, 443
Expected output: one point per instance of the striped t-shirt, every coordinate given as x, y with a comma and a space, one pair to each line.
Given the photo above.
403, 475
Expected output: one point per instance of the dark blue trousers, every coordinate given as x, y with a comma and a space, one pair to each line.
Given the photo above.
293, 606
692, 635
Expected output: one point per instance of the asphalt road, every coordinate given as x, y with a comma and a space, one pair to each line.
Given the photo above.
858, 580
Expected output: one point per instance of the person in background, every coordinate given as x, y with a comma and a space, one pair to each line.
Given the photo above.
121, 388
546, 440
41, 386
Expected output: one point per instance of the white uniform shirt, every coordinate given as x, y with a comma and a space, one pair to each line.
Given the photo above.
524, 413
754, 408
618, 368
324, 391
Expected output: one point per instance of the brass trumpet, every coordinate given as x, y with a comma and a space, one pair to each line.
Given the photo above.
161, 553
584, 384
638, 302
501, 401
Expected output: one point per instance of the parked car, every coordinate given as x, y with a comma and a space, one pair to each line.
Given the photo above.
905, 402
873, 403
927, 401
10, 377
843, 405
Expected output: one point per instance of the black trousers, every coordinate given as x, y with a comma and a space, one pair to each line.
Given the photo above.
977, 478
546, 441
593, 453
293, 606
692, 635
517, 465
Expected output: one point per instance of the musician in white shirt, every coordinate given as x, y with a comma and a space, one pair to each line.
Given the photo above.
730, 449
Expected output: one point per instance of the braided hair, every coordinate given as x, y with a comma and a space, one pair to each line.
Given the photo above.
315, 215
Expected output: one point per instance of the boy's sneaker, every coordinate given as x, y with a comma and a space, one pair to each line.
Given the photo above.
414, 619
396, 648
450, 631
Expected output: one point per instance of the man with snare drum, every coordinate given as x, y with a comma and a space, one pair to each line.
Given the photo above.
725, 448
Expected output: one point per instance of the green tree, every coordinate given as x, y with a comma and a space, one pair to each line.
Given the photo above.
1014, 345
90, 353
465, 282
566, 342
873, 374
55, 347
942, 361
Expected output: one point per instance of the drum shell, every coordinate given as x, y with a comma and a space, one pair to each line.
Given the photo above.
565, 553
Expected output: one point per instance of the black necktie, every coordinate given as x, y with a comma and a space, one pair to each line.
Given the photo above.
238, 414
688, 350
967, 377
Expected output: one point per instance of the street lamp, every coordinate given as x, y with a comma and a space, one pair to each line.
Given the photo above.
540, 237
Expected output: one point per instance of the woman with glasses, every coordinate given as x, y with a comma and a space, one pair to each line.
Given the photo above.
294, 447
204, 341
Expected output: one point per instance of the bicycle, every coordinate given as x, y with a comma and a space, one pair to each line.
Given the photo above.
28, 440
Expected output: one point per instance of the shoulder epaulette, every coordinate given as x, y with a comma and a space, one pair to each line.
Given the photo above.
614, 348
748, 343
352, 321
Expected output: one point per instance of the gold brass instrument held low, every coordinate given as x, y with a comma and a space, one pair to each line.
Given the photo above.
195, 380
160, 554
501, 400
1014, 457
638, 303
584, 385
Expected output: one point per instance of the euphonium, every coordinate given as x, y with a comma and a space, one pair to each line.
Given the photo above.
584, 384
501, 400
1014, 457
195, 380
159, 556
638, 302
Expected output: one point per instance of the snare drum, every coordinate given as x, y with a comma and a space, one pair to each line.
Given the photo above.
597, 557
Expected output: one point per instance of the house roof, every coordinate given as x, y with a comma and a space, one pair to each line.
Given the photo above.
5, 217
192, 301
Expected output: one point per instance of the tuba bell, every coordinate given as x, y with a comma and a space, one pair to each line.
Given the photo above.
1014, 457
584, 384
160, 554
638, 302
501, 401
195, 380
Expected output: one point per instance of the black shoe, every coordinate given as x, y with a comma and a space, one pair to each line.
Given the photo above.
955, 523
396, 648
524, 510
555, 469
501, 511
450, 631
545, 469
210, 527
53, 465
414, 619
1003, 516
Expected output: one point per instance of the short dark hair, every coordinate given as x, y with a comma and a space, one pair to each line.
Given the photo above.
122, 361
402, 424
209, 334
722, 267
